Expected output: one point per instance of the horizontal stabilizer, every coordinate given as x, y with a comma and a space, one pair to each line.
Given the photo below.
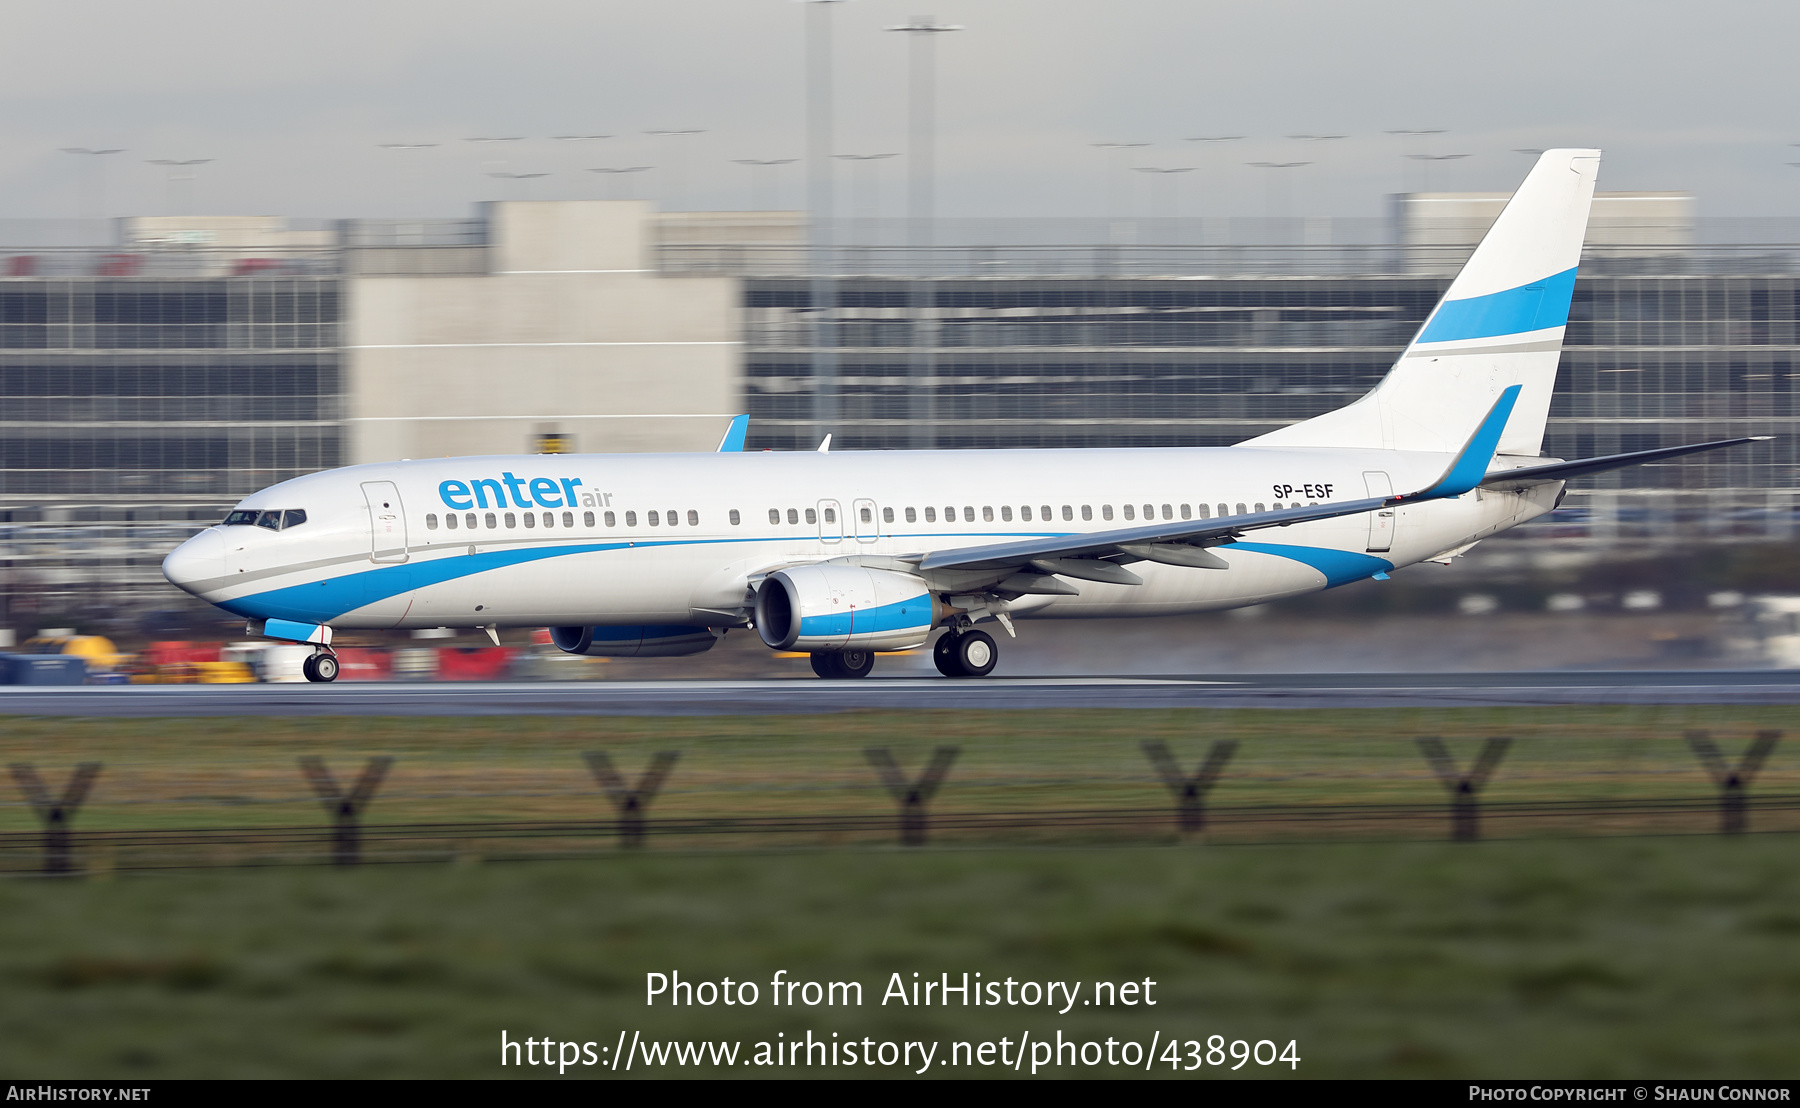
1562, 471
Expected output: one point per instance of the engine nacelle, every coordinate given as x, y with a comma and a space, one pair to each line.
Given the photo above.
652, 641
838, 607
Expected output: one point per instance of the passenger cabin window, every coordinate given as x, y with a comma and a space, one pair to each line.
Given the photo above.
609, 519
734, 517
1168, 512
1129, 513
774, 515
511, 521
1025, 512
1068, 513
912, 516
1240, 509
449, 520
569, 519
968, 513
1006, 513
469, 521
794, 515
631, 519
587, 519
1259, 507
887, 515
693, 518
812, 516
1224, 511
830, 515
491, 522
1087, 511
1204, 514
674, 517
430, 521
1187, 512
1047, 517
930, 515
1106, 511
1149, 511
653, 518
531, 519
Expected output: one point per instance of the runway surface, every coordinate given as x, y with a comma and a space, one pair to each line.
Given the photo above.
783, 697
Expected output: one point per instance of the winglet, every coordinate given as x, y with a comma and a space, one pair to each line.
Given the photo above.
735, 435
1477, 454
825, 445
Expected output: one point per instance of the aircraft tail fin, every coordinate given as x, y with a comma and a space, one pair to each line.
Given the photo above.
1500, 324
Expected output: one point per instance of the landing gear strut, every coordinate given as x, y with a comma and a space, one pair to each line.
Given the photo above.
321, 667
843, 663
961, 652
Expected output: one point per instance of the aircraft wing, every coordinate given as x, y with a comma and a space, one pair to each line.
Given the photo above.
1562, 471
1183, 543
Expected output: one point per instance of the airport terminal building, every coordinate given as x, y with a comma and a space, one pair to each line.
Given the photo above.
154, 370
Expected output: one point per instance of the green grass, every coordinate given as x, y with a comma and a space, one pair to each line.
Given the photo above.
1670, 957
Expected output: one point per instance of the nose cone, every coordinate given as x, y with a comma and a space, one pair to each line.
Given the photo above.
197, 564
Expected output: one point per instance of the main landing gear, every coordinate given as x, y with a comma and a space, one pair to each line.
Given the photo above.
321, 667
843, 663
961, 652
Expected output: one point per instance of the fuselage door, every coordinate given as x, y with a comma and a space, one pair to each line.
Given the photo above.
1381, 521
867, 529
831, 521
387, 521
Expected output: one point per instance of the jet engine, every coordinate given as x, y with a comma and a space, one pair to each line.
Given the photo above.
840, 607
634, 642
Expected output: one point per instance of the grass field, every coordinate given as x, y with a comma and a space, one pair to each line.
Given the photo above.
1618, 954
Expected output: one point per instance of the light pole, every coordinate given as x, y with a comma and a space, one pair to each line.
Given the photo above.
1277, 196
622, 175
1428, 161
865, 190
921, 215
821, 292
761, 169
1211, 141
1166, 177
570, 164
93, 180
418, 174
524, 189
1114, 166
675, 199
181, 170
1407, 138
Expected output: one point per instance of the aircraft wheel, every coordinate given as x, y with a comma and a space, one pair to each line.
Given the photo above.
855, 663
975, 653
320, 668
824, 664
943, 655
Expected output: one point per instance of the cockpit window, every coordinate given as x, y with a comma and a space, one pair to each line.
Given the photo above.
275, 519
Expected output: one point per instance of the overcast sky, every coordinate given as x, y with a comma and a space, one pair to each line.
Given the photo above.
293, 100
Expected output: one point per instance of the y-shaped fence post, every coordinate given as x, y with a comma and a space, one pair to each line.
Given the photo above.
1734, 784
346, 843
1190, 792
630, 801
1464, 816
56, 814
911, 796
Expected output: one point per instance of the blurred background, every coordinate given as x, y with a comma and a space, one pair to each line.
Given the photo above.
236, 247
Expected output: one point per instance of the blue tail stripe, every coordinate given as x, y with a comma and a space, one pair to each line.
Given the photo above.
1532, 307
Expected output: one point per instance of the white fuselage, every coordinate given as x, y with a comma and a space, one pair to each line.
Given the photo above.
683, 539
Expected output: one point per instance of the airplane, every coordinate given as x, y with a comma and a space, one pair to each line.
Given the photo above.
843, 554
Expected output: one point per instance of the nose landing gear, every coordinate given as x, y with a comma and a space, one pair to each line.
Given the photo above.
961, 652
321, 667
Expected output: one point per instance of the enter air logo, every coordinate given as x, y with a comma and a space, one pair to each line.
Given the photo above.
534, 492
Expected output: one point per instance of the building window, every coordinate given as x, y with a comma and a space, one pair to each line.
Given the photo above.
631, 519
734, 517
430, 521
912, 516
1006, 513
1129, 512
887, 515
693, 518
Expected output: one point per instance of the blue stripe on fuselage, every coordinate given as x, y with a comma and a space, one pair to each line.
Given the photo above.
914, 611
1340, 567
1533, 307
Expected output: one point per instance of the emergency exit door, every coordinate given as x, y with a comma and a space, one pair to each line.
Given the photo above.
387, 521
